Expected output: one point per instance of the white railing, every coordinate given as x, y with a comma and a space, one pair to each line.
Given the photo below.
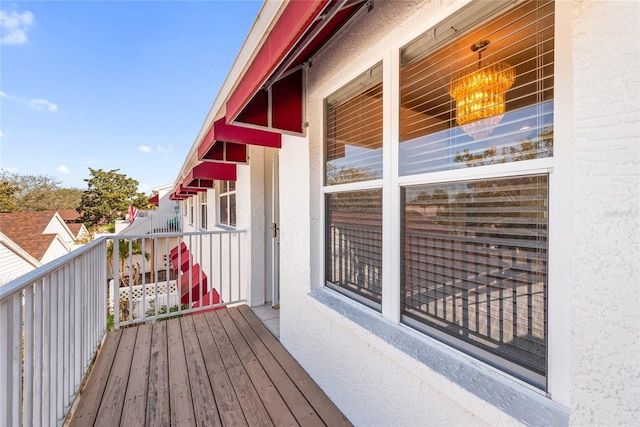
152, 284
52, 321
153, 222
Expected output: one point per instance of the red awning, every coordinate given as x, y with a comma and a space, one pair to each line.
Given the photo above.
270, 93
176, 196
191, 190
202, 176
227, 143
154, 200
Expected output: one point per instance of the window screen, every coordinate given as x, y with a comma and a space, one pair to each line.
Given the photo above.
354, 130
474, 266
522, 40
354, 243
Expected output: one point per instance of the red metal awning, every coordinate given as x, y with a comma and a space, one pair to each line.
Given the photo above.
176, 196
202, 176
270, 93
191, 190
154, 200
228, 143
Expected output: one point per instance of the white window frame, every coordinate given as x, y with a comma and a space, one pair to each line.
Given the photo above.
222, 195
557, 168
203, 209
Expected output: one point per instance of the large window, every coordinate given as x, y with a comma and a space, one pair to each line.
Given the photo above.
505, 68
227, 204
468, 178
353, 237
474, 267
474, 252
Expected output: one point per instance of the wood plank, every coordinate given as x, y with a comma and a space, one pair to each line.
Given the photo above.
90, 397
179, 388
113, 398
135, 400
204, 406
157, 413
252, 407
298, 404
325, 408
226, 401
273, 402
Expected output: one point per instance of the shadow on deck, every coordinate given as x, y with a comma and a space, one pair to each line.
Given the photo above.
219, 368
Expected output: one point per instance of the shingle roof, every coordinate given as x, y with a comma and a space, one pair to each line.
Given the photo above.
25, 229
69, 215
75, 227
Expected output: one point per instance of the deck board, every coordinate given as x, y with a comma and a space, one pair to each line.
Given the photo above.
135, 401
181, 412
158, 382
220, 368
113, 399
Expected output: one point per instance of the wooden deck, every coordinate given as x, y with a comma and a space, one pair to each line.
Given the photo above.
219, 368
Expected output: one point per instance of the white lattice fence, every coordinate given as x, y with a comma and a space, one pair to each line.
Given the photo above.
135, 293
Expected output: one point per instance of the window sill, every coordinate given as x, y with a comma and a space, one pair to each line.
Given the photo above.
508, 395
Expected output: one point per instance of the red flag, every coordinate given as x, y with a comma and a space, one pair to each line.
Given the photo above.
133, 212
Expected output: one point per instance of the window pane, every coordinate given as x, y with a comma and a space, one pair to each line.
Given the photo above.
474, 264
434, 134
354, 130
203, 216
354, 242
224, 210
232, 209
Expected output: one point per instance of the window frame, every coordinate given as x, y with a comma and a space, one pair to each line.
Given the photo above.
203, 210
558, 336
227, 194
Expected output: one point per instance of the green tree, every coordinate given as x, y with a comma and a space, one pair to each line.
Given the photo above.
8, 200
24, 192
108, 196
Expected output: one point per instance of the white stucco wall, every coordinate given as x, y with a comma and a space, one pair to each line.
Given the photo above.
380, 373
605, 339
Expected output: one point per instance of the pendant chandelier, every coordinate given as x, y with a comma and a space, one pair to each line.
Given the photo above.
480, 95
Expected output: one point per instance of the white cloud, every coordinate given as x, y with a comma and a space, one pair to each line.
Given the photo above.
145, 148
1, 134
63, 169
43, 104
14, 26
166, 149
4, 95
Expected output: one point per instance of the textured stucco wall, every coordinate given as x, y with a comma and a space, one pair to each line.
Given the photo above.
358, 358
605, 285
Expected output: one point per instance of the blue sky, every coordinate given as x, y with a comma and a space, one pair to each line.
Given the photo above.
111, 84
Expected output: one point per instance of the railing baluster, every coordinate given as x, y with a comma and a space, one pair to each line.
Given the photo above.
38, 333
60, 346
28, 356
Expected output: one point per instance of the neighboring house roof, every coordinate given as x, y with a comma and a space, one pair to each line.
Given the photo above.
26, 229
75, 227
69, 215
